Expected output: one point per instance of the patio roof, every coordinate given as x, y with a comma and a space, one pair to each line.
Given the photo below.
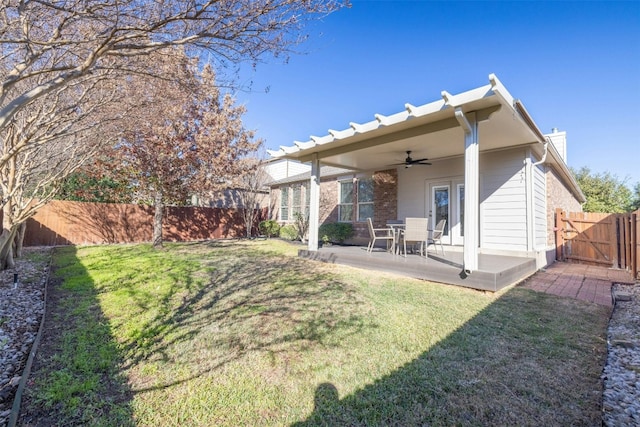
431, 131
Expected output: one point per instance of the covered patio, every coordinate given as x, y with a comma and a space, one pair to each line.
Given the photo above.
494, 272
475, 159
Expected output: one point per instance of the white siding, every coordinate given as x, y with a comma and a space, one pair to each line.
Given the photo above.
503, 196
503, 205
284, 168
412, 188
540, 207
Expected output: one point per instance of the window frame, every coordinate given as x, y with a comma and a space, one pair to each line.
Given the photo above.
284, 203
360, 203
342, 205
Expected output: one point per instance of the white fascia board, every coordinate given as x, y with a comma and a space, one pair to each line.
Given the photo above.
423, 110
289, 150
498, 88
466, 97
275, 153
304, 145
320, 140
364, 127
392, 119
342, 134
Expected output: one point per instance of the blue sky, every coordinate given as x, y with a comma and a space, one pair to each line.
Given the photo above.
574, 65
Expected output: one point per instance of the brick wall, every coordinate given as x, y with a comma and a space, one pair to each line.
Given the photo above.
328, 201
385, 196
558, 196
385, 199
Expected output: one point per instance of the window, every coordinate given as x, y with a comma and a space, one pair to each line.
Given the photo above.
294, 198
365, 199
306, 198
345, 207
284, 203
296, 201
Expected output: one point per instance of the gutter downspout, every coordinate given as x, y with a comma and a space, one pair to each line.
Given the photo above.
544, 155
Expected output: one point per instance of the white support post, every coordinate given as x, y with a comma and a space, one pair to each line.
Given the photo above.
314, 203
471, 190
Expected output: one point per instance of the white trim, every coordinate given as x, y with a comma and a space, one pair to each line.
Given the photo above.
457, 238
472, 193
529, 200
314, 204
433, 187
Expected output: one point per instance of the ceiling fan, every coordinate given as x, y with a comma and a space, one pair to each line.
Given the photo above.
408, 162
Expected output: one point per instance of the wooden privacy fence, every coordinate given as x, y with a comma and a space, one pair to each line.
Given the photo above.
70, 223
609, 240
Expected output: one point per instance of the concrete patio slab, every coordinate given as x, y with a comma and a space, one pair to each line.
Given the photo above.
494, 272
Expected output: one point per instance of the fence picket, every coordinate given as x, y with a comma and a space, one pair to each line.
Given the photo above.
599, 238
63, 223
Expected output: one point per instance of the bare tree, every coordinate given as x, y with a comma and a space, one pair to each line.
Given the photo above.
252, 192
186, 139
46, 45
67, 48
44, 144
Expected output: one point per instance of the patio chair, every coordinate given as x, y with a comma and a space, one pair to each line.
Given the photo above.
380, 234
436, 235
415, 231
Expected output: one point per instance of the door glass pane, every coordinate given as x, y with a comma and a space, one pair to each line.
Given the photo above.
441, 204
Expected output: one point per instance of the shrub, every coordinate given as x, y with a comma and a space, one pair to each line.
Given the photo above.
269, 228
335, 232
289, 232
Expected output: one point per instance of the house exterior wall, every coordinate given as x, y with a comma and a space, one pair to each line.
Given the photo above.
385, 200
284, 168
328, 200
385, 196
413, 185
540, 207
503, 196
558, 196
503, 201
515, 194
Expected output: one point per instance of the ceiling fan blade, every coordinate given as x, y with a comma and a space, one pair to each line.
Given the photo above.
422, 163
418, 160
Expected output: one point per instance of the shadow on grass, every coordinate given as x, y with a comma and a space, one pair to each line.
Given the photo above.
526, 359
251, 301
223, 300
77, 377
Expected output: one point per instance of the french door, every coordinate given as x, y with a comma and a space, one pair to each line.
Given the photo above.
446, 201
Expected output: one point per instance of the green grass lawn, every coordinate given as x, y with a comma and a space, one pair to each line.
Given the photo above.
245, 333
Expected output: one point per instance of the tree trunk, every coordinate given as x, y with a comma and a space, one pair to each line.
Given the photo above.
22, 229
7, 238
249, 219
157, 220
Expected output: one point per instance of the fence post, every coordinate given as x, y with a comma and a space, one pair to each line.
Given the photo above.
558, 229
634, 244
618, 234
